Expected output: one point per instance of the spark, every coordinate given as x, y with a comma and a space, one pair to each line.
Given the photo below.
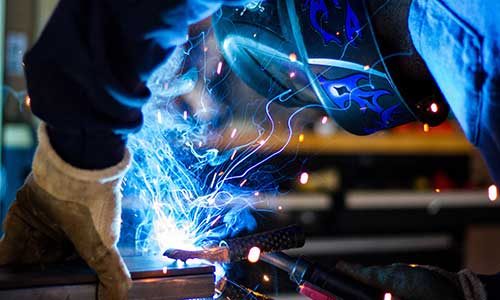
243, 182
292, 74
256, 194
493, 193
266, 278
366, 67
158, 116
219, 68
233, 134
324, 120
434, 108
165, 270
292, 57
438, 190
304, 178
185, 115
387, 296
262, 142
301, 138
234, 154
426, 127
280, 207
254, 254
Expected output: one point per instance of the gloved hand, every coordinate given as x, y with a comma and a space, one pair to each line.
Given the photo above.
413, 282
61, 209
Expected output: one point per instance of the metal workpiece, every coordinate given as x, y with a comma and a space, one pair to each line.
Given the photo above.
154, 278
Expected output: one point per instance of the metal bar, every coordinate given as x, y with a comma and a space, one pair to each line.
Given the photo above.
168, 288
154, 278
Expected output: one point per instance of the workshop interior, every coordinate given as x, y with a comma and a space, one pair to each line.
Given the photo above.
245, 193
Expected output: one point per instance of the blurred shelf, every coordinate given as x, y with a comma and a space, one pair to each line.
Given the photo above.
381, 144
390, 144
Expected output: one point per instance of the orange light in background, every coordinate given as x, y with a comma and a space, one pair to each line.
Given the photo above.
304, 178
27, 101
493, 193
292, 57
254, 254
301, 138
387, 296
434, 108
426, 127
438, 190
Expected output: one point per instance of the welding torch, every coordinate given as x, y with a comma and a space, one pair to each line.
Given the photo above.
313, 281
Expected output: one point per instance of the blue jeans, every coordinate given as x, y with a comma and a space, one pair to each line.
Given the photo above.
460, 42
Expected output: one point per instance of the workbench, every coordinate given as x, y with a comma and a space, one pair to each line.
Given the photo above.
154, 278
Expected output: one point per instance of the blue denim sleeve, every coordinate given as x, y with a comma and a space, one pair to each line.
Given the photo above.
460, 42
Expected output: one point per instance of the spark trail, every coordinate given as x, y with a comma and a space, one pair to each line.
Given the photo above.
191, 191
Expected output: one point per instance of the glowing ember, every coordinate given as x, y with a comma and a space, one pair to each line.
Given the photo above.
434, 108
254, 255
27, 101
219, 68
266, 278
438, 190
493, 193
292, 57
304, 178
426, 127
301, 138
233, 134
387, 296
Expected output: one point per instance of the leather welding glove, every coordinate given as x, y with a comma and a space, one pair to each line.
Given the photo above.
413, 282
61, 208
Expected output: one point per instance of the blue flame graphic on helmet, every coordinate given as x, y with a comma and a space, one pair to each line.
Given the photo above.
348, 90
319, 15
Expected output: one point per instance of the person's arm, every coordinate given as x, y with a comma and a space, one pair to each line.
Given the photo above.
86, 78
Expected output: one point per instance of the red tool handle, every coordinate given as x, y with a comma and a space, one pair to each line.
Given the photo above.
314, 292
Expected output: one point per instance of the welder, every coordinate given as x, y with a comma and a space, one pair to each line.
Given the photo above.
86, 78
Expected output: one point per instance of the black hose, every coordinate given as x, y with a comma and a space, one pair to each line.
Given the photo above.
271, 241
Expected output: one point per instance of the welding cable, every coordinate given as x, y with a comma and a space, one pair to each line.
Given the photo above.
322, 281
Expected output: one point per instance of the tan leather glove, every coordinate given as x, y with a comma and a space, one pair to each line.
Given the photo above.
61, 208
413, 282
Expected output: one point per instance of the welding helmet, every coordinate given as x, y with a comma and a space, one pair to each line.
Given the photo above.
323, 54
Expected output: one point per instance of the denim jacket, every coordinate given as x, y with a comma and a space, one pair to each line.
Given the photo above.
460, 42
